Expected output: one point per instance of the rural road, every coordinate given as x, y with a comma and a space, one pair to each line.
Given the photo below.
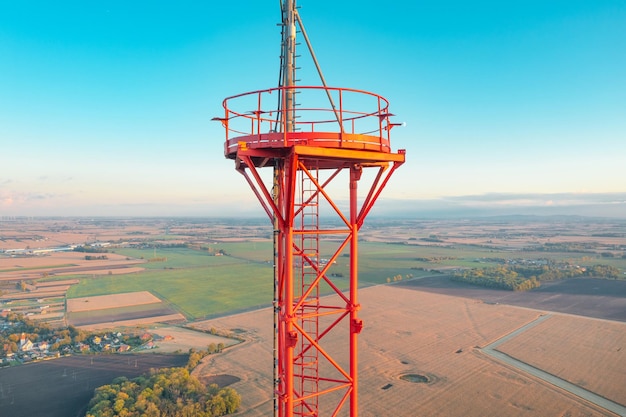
600, 401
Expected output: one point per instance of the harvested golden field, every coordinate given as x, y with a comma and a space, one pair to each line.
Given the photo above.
110, 325
101, 302
414, 332
119, 310
251, 361
181, 339
65, 263
31, 295
47, 284
594, 356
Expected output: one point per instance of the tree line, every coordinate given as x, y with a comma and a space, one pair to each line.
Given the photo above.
524, 278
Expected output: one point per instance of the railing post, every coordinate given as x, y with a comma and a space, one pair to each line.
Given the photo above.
258, 116
341, 118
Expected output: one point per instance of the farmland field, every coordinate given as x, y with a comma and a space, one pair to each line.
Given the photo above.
438, 337
199, 285
118, 314
599, 298
196, 292
63, 387
423, 335
592, 358
96, 312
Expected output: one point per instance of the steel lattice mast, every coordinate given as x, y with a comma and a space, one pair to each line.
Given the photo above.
312, 146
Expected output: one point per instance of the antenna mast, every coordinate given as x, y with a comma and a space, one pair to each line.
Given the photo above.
289, 62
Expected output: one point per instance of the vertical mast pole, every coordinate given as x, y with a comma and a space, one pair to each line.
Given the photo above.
289, 70
276, 302
283, 238
355, 323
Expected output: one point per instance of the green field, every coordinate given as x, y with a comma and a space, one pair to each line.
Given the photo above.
200, 285
195, 292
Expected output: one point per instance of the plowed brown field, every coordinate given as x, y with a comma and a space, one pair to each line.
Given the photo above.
434, 335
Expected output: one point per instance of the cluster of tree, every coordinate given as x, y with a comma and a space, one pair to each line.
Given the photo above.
603, 271
523, 278
432, 238
164, 393
494, 260
419, 268
435, 259
158, 259
95, 258
196, 356
503, 277
169, 245
159, 245
398, 278
90, 249
24, 285
612, 255
224, 333
566, 247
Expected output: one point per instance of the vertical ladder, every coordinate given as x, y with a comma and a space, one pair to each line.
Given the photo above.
308, 262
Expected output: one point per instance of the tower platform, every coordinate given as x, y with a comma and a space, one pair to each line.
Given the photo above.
356, 130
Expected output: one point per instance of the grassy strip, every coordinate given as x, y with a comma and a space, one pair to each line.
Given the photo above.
197, 292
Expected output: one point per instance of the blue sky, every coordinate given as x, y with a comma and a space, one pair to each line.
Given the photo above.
105, 106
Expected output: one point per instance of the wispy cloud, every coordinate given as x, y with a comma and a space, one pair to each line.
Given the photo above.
554, 199
584, 204
23, 199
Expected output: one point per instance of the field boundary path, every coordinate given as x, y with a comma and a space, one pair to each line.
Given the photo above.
592, 397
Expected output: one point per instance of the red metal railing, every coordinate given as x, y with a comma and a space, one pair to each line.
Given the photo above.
360, 120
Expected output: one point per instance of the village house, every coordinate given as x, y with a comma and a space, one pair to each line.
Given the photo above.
123, 348
43, 346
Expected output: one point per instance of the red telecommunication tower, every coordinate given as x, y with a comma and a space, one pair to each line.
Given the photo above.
317, 142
